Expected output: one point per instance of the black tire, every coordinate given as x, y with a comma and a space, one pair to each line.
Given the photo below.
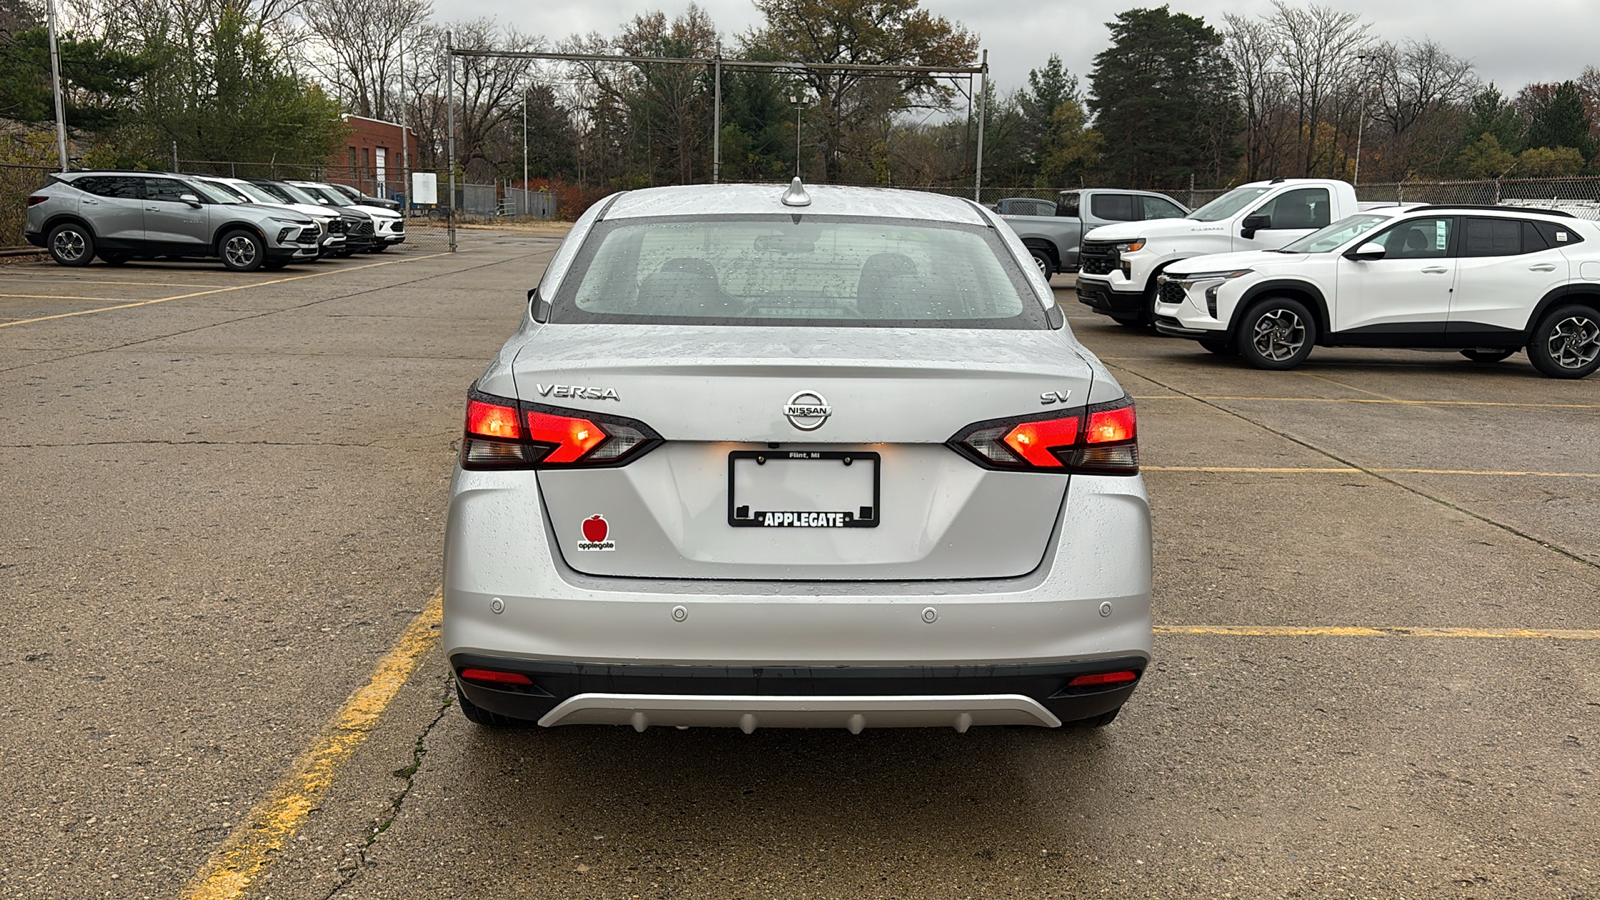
71, 244
1277, 333
1042, 259
1099, 721
1128, 321
481, 716
1221, 348
273, 265
1487, 356
113, 259
1566, 342
379, 248
241, 251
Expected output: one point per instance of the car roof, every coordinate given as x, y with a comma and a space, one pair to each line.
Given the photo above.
826, 200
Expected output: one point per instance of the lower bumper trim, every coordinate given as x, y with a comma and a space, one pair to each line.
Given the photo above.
748, 713
1169, 326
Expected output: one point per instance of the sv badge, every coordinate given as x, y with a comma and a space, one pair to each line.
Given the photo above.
1049, 397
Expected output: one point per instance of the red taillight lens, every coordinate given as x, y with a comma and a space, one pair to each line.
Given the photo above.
502, 434
1034, 441
494, 677
36, 198
1100, 439
568, 438
1101, 679
491, 421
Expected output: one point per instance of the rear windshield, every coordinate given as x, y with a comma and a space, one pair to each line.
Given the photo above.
819, 271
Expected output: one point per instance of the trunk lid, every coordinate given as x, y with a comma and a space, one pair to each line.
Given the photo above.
723, 396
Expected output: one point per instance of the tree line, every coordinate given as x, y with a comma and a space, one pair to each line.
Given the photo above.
1173, 100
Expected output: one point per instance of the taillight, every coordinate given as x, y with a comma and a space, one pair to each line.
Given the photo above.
1100, 439
504, 434
36, 198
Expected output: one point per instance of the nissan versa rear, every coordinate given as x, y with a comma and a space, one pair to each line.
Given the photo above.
815, 457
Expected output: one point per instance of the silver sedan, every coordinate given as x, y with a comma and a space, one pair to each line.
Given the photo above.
815, 457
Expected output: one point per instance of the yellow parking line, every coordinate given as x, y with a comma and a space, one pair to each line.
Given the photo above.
1349, 387
57, 297
1383, 631
269, 826
1310, 470
237, 287
1373, 401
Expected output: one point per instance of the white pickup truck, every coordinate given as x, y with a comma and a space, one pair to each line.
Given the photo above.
1118, 264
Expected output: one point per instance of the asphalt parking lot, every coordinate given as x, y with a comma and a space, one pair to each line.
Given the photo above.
1377, 665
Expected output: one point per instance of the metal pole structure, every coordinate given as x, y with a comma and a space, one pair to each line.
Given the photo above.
983, 88
55, 82
450, 128
405, 152
1361, 120
716, 119
525, 149
797, 108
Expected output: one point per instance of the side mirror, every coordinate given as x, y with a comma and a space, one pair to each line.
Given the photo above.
537, 307
1367, 252
1253, 224
190, 199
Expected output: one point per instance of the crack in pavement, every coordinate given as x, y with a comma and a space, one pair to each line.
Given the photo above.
1370, 472
354, 863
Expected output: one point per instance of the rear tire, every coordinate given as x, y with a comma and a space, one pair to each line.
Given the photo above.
1487, 356
241, 251
1221, 348
71, 245
481, 716
113, 259
1566, 342
1041, 258
1277, 333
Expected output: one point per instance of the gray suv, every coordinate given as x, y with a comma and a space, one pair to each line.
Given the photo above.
118, 216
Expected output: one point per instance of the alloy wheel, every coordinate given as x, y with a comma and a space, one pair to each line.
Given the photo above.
69, 246
240, 251
1279, 335
1574, 342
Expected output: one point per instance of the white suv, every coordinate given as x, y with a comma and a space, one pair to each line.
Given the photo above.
1487, 281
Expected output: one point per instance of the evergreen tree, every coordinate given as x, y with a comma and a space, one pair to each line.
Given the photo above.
1492, 113
1163, 99
1562, 121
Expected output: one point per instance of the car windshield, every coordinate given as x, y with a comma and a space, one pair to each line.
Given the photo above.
1336, 235
255, 194
288, 193
325, 196
799, 271
215, 194
1227, 204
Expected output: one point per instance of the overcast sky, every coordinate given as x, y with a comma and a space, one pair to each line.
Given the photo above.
1510, 43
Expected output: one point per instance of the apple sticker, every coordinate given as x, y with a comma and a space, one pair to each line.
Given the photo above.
595, 531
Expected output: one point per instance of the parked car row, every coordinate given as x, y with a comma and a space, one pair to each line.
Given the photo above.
247, 224
1271, 269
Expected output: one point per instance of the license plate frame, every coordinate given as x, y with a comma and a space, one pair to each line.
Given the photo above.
816, 518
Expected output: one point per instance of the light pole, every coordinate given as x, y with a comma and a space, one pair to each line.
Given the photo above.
799, 105
1361, 118
525, 90
55, 81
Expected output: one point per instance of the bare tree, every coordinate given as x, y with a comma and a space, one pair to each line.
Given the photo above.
357, 48
1252, 50
1319, 50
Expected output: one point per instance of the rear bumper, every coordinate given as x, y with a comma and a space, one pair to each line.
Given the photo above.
851, 697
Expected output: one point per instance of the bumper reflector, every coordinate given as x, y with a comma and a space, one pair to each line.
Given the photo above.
495, 678
1101, 679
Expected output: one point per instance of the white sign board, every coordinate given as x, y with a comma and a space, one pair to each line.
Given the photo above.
424, 187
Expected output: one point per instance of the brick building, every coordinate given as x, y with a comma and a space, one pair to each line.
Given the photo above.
371, 157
